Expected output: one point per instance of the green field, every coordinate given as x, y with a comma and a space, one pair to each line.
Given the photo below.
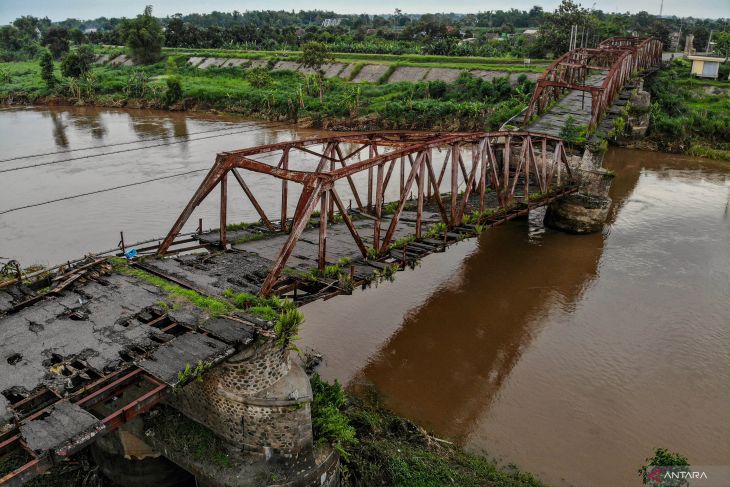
469, 103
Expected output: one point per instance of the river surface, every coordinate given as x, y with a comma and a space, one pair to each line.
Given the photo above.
572, 357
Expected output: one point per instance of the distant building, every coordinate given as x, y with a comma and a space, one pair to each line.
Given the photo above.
331, 22
90, 30
706, 66
530, 32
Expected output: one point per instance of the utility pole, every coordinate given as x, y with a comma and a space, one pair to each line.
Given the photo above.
661, 8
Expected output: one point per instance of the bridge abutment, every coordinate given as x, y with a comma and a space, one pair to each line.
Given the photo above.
258, 401
246, 423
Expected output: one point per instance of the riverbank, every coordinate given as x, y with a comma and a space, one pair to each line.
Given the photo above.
380, 448
689, 115
468, 103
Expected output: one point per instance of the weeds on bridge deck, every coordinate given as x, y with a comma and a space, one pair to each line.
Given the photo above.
500, 162
617, 59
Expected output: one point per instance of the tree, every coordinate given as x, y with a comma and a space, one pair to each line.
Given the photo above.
555, 27
144, 37
663, 462
46, 64
77, 62
722, 43
174, 91
56, 40
314, 56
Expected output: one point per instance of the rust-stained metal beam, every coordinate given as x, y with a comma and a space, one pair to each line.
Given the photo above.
322, 170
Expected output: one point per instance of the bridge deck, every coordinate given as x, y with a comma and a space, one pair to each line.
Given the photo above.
576, 104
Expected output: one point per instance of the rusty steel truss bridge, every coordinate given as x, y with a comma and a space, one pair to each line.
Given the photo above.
382, 198
476, 172
600, 73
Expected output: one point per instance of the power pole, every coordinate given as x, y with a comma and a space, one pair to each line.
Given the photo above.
661, 8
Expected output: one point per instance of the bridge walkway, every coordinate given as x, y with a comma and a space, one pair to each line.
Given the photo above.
577, 104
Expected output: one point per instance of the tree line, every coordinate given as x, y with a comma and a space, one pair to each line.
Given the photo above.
496, 33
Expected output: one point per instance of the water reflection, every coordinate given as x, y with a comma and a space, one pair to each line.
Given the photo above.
451, 355
567, 355
90, 119
59, 129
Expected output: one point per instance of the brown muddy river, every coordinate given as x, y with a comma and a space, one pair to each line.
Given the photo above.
572, 357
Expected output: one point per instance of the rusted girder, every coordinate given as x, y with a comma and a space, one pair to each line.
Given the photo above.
474, 163
621, 56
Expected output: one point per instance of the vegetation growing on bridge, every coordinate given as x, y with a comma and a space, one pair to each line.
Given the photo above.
284, 314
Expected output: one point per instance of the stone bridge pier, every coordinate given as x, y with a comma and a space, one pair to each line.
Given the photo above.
257, 405
586, 210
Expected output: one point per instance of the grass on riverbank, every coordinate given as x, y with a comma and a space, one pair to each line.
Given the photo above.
384, 449
690, 115
469, 103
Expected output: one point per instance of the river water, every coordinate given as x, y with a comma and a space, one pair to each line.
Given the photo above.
572, 357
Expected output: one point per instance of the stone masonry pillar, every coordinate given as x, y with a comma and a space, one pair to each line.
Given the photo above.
587, 210
258, 401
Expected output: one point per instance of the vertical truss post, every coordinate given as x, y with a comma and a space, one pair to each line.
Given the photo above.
454, 183
224, 208
331, 208
402, 175
528, 158
505, 163
421, 179
371, 154
324, 205
378, 207
284, 190
483, 175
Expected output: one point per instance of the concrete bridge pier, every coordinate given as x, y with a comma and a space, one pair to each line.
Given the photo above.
587, 210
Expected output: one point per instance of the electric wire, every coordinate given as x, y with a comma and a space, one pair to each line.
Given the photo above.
142, 141
121, 151
113, 188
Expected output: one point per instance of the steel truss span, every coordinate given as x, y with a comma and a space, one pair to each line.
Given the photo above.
507, 164
618, 58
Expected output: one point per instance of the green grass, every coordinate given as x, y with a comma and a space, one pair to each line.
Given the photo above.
213, 306
390, 450
684, 117
468, 104
189, 437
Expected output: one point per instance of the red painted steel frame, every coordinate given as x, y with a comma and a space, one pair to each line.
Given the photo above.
621, 57
498, 160
101, 392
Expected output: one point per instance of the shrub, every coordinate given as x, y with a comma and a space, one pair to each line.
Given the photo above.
259, 77
174, 91
78, 62
46, 64
652, 473
329, 423
144, 37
